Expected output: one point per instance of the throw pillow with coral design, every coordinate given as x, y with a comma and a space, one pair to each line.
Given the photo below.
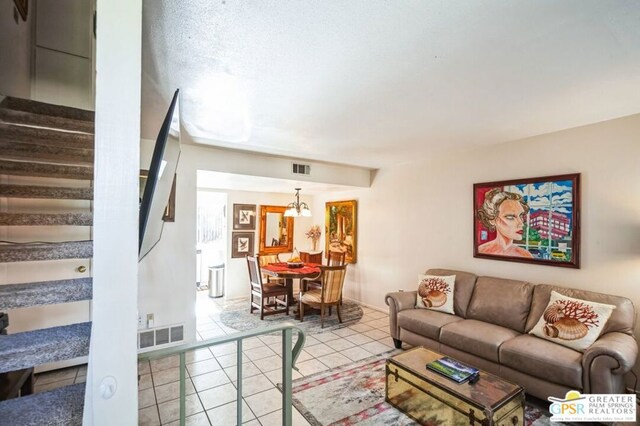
436, 292
572, 322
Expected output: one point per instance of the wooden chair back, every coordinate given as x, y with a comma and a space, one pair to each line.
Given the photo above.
332, 282
255, 277
336, 258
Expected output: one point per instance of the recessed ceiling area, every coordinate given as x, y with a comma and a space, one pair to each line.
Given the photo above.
375, 83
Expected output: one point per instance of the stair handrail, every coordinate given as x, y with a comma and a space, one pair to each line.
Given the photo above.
289, 357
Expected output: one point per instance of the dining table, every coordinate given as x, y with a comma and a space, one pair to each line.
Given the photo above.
284, 271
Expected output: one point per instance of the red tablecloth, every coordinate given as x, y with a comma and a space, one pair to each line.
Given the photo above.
308, 268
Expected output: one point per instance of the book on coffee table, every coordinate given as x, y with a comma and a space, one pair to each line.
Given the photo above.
453, 369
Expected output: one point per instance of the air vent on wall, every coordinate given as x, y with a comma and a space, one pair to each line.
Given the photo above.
300, 169
161, 336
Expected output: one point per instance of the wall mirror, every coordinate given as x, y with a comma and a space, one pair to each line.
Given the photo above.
276, 231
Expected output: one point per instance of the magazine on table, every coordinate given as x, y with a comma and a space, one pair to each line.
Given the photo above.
452, 369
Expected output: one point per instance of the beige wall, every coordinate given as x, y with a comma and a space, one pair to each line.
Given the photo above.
15, 51
417, 216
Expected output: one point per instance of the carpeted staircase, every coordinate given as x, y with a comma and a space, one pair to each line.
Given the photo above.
43, 141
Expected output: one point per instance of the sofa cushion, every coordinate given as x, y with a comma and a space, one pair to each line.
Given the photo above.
465, 282
622, 318
436, 292
476, 337
425, 322
502, 302
543, 359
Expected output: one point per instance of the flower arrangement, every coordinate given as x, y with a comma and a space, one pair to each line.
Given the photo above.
314, 233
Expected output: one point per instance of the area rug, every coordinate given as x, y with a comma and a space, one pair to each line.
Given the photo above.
239, 318
354, 395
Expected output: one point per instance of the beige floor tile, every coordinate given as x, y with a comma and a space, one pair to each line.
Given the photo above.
149, 416
269, 364
255, 384
340, 344
359, 339
230, 360
275, 376
265, 402
387, 341
319, 350
223, 349
361, 328
210, 334
304, 356
202, 367
259, 353
199, 419
199, 355
167, 363
356, 353
376, 334
171, 390
217, 396
252, 343
206, 325
145, 382
334, 360
146, 398
325, 337
144, 367
378, 314
311, 367
248, 369
375, 347
310, 341
270, 339
163, 377
226, 414
170, 410
343, 332
253, 422
56, 375
209, 380
275, 419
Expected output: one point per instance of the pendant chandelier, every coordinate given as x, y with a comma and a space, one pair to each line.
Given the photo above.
297, 209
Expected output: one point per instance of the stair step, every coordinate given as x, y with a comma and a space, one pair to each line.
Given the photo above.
46, 219
36, 107
45, 153
39, 347
50, 192
46, 251
41, 136
23, 295
18, 168
31, 119
62, 406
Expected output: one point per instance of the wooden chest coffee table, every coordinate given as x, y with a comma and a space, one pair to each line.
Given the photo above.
429, 398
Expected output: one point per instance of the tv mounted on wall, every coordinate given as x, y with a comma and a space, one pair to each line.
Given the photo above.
157, 190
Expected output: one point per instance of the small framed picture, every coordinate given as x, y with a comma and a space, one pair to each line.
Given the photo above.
244, 217
241, 244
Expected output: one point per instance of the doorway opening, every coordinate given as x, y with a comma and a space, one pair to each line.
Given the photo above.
211, 242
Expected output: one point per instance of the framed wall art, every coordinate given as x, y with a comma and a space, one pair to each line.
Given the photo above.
170, 210
244, 217
534, 220
341, 229
241, 244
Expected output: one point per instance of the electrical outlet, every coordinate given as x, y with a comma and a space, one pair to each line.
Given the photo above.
149, 320
140, 321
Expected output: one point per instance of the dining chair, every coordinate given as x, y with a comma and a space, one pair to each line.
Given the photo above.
328, 295
266, 259
336, 258
262, 293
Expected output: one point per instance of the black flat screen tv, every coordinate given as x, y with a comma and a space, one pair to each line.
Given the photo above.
157, 190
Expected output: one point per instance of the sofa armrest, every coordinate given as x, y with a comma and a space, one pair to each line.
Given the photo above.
606, 361
622, 347
397, 302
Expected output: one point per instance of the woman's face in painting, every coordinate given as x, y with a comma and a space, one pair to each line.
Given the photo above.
509, 222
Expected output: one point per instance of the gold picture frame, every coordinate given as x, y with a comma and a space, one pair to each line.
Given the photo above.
341, 228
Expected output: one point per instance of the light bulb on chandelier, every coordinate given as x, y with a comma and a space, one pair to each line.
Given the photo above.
297, 209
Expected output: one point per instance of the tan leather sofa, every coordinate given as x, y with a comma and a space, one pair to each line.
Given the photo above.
490, 326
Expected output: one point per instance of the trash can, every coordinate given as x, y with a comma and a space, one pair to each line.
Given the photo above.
216, 280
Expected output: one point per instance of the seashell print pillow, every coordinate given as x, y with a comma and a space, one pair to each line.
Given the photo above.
436, 292
573, 323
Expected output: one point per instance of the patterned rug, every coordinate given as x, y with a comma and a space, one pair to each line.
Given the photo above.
239, 318
354, 394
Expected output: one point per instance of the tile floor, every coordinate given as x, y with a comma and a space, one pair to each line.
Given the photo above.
211, 373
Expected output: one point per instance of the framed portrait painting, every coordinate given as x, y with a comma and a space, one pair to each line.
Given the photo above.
244, 217
341, 229
534, 220
241, 244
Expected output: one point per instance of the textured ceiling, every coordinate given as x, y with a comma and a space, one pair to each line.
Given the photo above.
379, 82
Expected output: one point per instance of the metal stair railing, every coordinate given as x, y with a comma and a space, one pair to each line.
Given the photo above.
289, 357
